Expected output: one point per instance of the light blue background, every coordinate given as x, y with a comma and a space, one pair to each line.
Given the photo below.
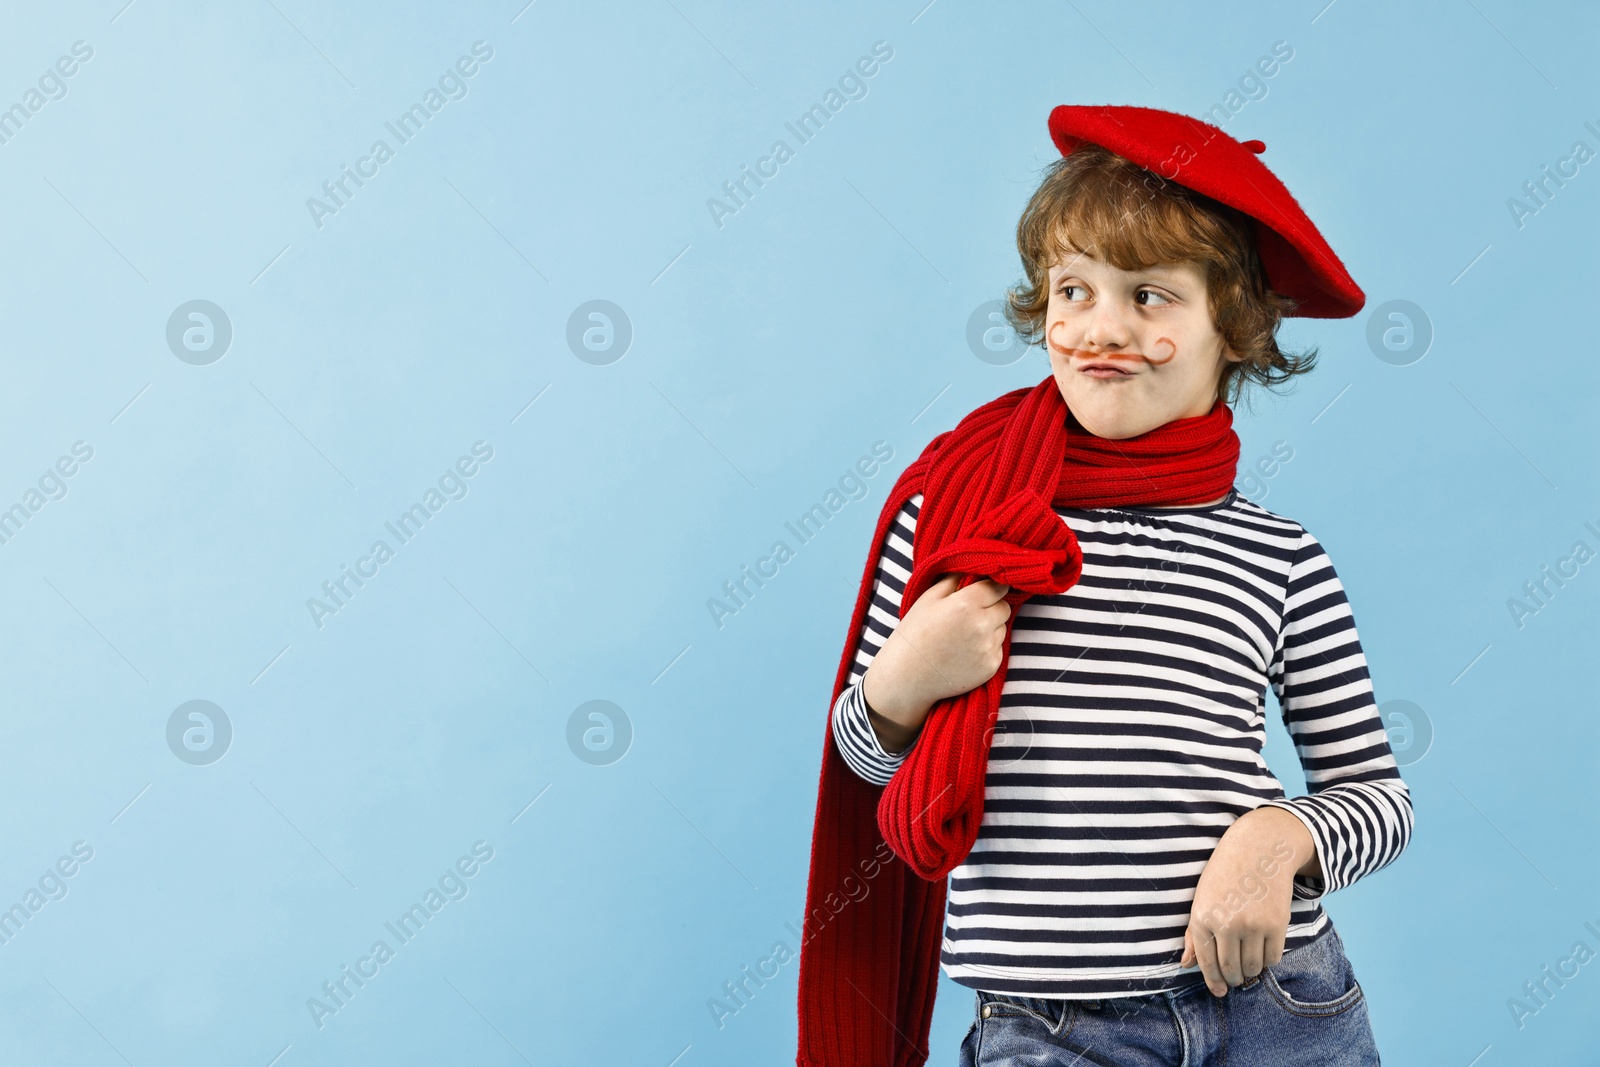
768, 354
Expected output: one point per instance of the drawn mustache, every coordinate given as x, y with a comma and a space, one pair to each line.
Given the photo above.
1112, 357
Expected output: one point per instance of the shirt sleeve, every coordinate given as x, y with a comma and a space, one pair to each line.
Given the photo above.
853, 734
1359, 810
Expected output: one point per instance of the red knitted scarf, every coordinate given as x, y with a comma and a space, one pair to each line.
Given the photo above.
869, 955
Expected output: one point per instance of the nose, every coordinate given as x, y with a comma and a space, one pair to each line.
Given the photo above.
1101, 327
1106, 326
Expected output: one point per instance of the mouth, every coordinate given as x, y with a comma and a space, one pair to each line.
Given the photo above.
1110, 366
1104, 369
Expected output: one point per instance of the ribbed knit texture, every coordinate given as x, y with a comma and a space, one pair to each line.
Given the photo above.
869, 957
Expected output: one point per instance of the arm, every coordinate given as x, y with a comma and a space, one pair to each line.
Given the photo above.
1357, 817
873, 746
1358, 813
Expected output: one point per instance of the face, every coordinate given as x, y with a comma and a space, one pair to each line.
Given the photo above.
1132, 350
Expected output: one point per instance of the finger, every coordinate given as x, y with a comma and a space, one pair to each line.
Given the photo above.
1205, 951
991, 591
1228, 949
1188, 950
1252, 955
1274, 947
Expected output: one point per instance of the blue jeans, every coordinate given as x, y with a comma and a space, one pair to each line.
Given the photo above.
1306, 1010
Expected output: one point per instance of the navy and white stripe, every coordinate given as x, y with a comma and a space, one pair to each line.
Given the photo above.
1129, 739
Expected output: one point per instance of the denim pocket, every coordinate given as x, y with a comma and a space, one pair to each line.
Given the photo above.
1315, 979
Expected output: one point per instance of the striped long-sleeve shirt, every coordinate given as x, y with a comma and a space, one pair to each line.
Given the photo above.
1130, 730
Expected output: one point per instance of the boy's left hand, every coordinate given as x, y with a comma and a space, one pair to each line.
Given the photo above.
1239, 919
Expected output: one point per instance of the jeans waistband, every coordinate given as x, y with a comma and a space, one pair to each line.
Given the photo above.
1185, 984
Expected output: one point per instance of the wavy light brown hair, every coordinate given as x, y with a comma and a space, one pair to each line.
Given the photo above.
1101, 203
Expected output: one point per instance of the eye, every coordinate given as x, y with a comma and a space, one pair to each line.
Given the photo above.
1152, 292
1065, 290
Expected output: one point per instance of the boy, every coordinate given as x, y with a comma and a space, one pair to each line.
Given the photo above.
1055, 688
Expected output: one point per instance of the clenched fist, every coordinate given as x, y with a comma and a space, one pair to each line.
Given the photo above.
948, 643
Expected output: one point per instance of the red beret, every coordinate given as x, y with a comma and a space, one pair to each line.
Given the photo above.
1198, 155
